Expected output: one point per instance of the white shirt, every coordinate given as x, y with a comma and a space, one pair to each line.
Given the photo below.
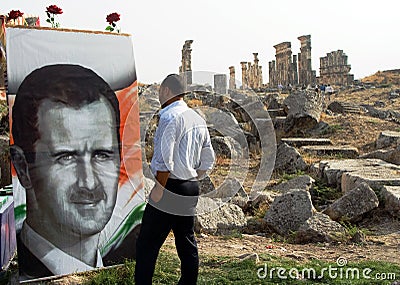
56, 260
182, 143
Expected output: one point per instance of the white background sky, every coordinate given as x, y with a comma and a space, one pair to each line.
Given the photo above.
226, 32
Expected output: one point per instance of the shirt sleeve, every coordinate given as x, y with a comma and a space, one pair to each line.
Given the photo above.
207, 155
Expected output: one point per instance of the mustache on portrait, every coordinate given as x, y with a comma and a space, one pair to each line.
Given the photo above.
87, 196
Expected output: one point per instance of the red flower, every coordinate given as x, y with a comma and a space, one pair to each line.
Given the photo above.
53, 9
14, 14
113, 17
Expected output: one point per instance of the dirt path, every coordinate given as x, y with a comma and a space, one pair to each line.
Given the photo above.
377, 248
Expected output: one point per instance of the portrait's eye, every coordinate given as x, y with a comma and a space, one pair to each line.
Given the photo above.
104, 155
65, 158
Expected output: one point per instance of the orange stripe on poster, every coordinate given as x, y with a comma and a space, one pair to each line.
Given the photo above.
131, 163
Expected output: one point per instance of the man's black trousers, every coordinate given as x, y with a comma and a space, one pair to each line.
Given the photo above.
158, 220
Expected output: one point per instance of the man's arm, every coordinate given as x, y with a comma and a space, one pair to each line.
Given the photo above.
158, 189
207, 157
162, 177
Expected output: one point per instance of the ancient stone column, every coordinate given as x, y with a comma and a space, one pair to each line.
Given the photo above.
220, 83
244, 75
285, 72
306, 74
185, 69
272, 74
232, 83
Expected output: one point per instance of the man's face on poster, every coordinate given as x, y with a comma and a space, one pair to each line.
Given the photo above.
76, 169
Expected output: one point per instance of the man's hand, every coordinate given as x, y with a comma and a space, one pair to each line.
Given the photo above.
158, 189
157, 193
201, 174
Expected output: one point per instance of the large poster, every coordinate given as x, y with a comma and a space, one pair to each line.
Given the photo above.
75, 149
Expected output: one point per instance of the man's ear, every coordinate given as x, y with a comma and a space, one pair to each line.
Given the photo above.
21, 166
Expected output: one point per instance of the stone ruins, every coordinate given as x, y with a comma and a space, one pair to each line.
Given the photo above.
283, 70
288, 69
306, 74
186, 68
232, 80
252, 74
334, 69
220, 83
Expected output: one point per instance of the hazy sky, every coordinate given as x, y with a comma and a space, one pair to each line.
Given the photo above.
226, 32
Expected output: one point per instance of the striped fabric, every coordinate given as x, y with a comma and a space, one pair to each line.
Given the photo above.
182, 143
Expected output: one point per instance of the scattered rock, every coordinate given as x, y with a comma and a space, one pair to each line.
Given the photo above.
391, 156
206, 185
289, 211
391, 198
383, 174
249, 256
388, 139
323, 150
218, 218
227, 190
344, 107
288, 160
225, 147
303, 109
351, 206
375, 172
321, 128
303, 182
298, 142
320, 228
259, 197
358, 237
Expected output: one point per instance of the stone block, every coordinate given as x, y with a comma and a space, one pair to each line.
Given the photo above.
391, 198
289, 211
352, 205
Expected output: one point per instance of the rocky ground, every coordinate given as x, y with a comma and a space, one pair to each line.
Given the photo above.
380, 231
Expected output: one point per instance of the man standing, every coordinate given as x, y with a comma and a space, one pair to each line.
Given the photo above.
182, 154
66, 153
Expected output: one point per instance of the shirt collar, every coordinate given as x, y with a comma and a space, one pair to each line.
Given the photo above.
56, 260
172, 105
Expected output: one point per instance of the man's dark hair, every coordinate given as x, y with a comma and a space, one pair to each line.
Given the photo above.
175, 83
71, 85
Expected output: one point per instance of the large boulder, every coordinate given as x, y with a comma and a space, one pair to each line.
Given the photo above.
218, 218
225, 147
387, 139
231, 190
303, 109
320, 228
391, 198
353, 205
303, 182
348, 173
289, 211
389, 155
206, 185
288, 160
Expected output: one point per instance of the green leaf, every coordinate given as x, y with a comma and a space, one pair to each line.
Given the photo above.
109, 28
48, 21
